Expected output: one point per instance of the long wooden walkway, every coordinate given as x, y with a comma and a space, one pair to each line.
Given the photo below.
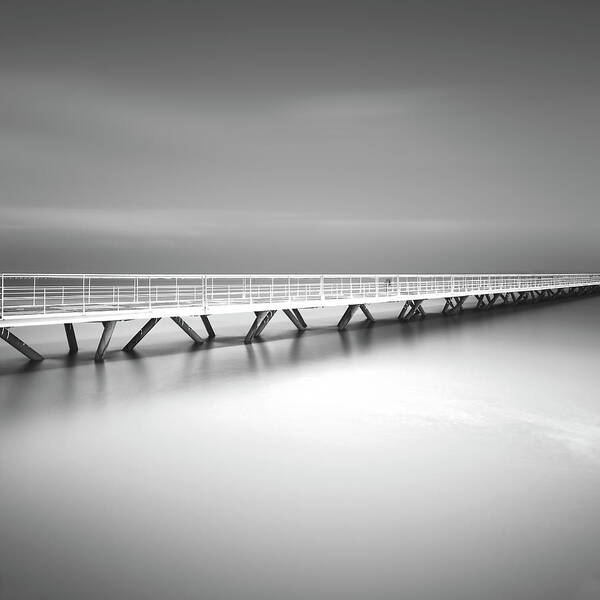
28, 300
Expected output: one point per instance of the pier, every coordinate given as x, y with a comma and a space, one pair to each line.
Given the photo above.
29, 300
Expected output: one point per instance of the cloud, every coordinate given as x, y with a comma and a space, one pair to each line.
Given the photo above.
380, 104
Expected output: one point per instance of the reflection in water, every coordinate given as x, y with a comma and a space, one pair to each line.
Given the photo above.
456, 457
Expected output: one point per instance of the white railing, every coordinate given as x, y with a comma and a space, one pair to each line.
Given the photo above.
51, 295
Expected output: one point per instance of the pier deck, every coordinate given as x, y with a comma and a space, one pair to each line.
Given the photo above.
28, 300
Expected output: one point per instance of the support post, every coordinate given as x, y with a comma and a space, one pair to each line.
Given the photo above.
460, 300
267, 318
367, 313
410, 309
300, 317
208, 325
491, 298
349, 312
407, 305
292, 317
449, 306
197, 339
109, 327
454, 304
18, 344
417, 309
140, 335
259, 317
71, 339
480, 301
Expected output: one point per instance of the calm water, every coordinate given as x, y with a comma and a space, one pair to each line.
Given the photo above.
450, 458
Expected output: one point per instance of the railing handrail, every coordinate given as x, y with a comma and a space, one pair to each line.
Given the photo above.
25, 295
279, 275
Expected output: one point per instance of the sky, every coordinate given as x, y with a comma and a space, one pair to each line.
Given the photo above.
304, 136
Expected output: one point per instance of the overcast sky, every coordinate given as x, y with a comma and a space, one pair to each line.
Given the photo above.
299, 136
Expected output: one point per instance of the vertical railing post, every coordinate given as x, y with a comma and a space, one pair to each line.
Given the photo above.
322, 288
44, 300
34, 291
204, 304
2, 299
83, 294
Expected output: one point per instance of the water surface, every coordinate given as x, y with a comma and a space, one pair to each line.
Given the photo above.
451, 458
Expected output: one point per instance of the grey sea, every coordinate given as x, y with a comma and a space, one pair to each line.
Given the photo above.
454, 457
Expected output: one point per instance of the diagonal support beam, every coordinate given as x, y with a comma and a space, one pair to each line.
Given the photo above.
367, 313
407, 306
208, 326
71, 339
480, 301
449, 307
460, 300
411, 309
343, 323
109, 327
454, 304
141, 334
293, 318
260, 316
264, 323
300, 317
19, 344
491, 298
197, 339
416, 309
